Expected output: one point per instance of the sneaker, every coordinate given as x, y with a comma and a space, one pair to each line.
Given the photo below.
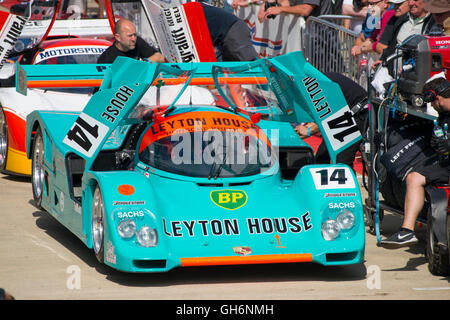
402, 238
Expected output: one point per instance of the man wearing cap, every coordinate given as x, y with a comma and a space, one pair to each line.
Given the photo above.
440, 9
417, 21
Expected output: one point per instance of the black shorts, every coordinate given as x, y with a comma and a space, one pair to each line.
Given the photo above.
436, 174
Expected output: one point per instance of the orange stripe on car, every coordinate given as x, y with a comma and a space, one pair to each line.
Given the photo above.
254, 259
170, 81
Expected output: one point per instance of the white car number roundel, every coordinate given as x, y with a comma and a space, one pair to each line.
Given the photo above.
332, 178
86, 135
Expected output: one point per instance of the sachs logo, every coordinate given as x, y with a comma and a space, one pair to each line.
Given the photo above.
229, 199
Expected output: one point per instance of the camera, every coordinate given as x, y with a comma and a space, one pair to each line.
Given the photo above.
267, 5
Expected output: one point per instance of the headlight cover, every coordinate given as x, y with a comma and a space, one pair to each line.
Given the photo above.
345, 219
330, 230
126, 228
147, 237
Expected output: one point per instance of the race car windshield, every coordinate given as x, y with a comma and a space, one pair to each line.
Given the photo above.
253, 87
207, 145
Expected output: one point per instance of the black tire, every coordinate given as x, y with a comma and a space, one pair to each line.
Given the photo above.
97, 225
437, 255
3, 140
37, 168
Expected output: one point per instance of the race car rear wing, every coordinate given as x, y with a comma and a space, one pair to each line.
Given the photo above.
59, 76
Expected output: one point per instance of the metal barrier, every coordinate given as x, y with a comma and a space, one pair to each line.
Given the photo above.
327, 46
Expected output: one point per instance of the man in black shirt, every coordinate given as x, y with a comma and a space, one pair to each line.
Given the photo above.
128, 44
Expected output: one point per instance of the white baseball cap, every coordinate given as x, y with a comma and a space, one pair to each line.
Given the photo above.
437, 6
396, 1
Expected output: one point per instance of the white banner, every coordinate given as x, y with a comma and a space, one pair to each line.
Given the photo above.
276, 36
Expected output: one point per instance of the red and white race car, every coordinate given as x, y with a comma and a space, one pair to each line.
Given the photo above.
14, 107
42, 42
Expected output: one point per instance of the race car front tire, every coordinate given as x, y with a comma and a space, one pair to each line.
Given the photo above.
37, 168
97, 225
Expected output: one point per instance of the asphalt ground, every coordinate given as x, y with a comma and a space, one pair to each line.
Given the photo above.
41, 260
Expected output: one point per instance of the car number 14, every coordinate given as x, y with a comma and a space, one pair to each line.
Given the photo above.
332, 178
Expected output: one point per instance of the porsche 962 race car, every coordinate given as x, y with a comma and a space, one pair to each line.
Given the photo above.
15, 107
197, 164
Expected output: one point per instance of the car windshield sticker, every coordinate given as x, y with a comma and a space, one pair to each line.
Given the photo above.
229, 199
200, 121
332, 178
68, 51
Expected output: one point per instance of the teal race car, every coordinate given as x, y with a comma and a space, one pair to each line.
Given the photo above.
198, 164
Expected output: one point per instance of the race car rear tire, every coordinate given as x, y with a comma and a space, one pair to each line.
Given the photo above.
3, 140
437, 254
37, 168
97, 225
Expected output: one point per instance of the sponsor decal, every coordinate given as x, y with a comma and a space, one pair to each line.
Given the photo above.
179, 33
342, 205
200, 122
229, 199
234, 227
68, 51
316, 96
279, 246
11, 26
243, 251
110, 256
126, 189
117, 103
128, 203
339, 195
130, 214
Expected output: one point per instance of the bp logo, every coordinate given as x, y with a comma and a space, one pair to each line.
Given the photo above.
229, 199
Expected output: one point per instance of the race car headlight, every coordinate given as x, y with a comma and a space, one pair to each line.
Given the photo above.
345, 219
147, 237
330, 230
126, 228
